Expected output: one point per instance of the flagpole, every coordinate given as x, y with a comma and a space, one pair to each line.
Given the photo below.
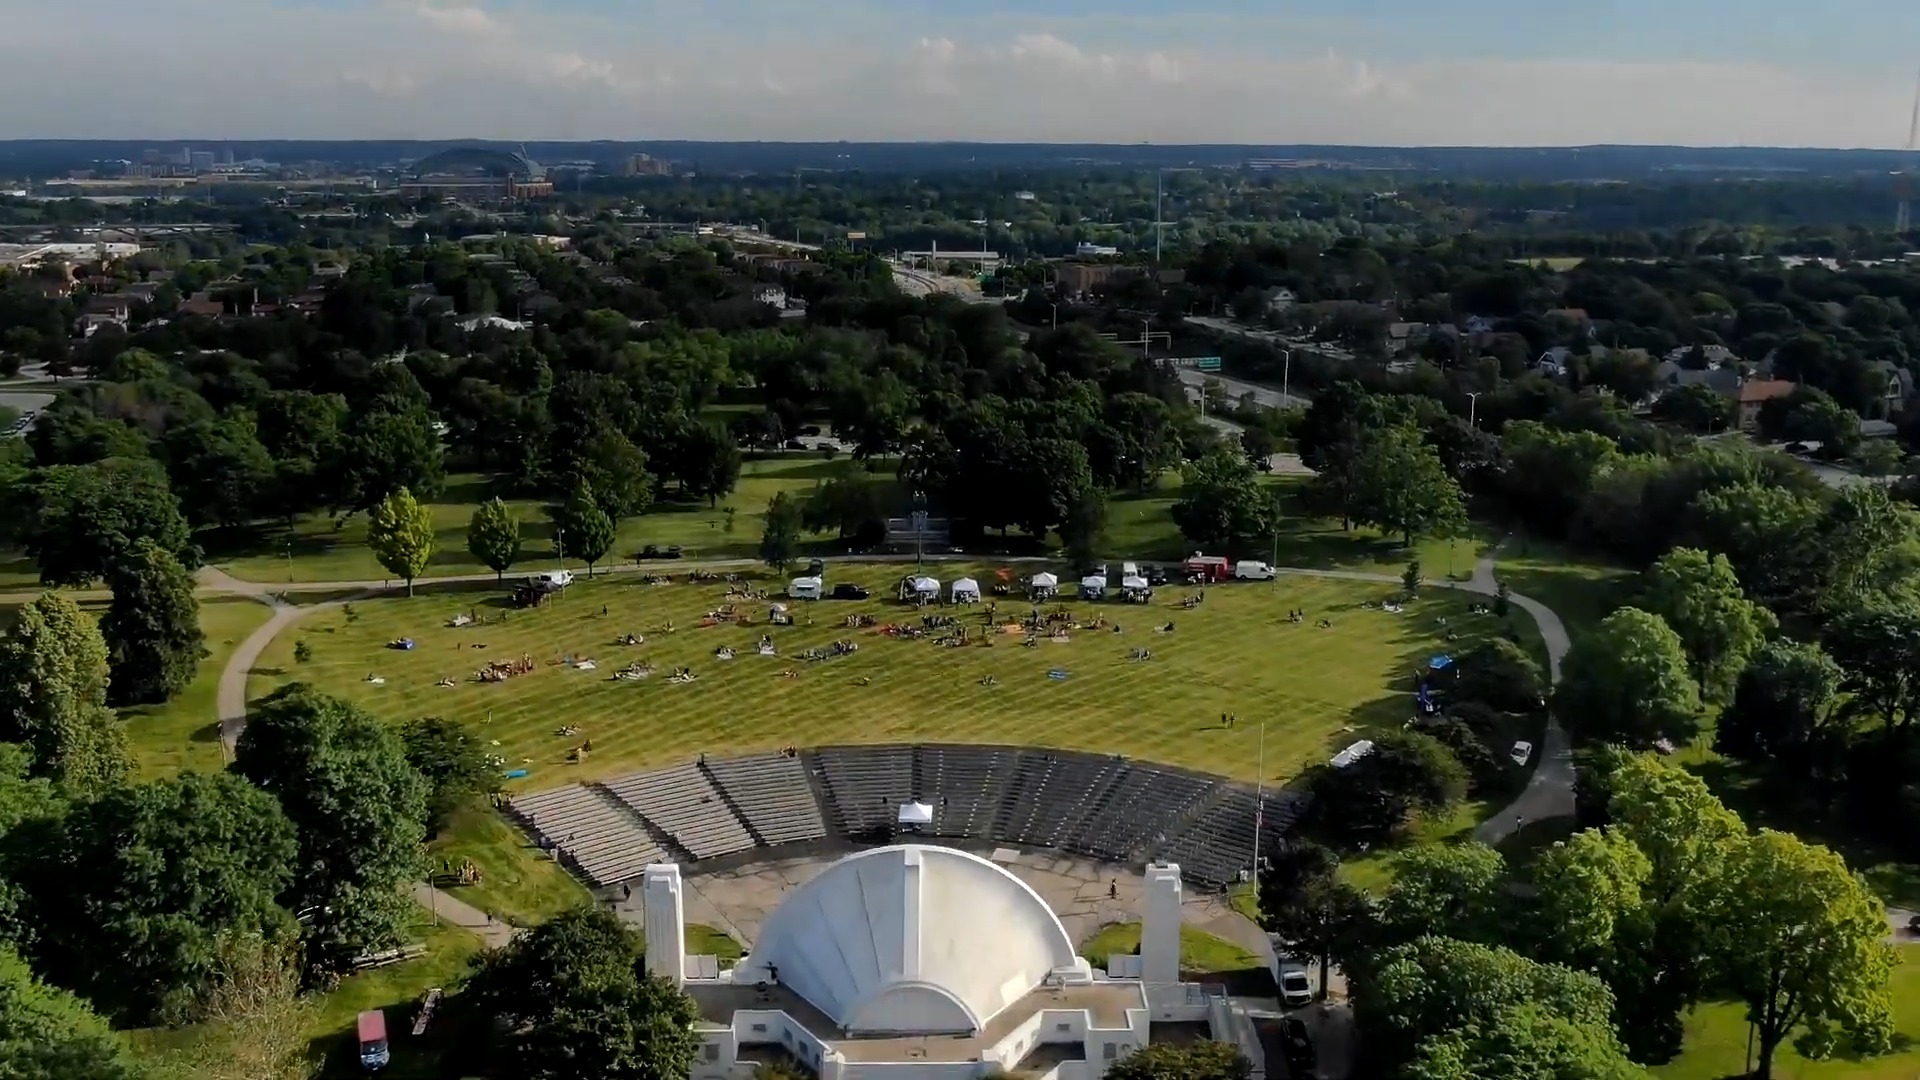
1259, 806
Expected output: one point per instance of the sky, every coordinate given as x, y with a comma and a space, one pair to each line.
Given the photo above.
1360, 72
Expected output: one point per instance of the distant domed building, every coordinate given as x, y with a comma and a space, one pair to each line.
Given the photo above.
478, 172
914, 961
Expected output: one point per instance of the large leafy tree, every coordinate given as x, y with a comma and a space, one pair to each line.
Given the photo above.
1785, 708
150, 879
582, 526
706, 460
454, 763
49, 1034
1628, 681
571, 999
53, 665
302, 432
1444, 988
86, 516
400, 532
780, 536
1700, 599
1879, 649
493, 536
1525, 1042
1452, 890
1407, 773
390, 449
359, 812
1400, 486
1204, 1060
1500, 674
223, 473
152, 627
1223, 505
1804, 946
615, 471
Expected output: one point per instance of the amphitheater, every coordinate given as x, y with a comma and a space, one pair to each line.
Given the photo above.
717, 813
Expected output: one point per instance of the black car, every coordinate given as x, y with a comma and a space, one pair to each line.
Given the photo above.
848, 591
654, 551
1301, 1058
1156, 575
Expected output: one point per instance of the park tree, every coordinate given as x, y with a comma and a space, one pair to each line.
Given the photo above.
256, 1025
1223, 504
54, 666
222, 471
1785, 709
1451, 890
149, 880
1525, 1042
1499, 674
152, 627
84, 517
1084, 529
1878, 648
571, 999
615, 471
850, 503
359, 812
302, 432
707, 461
1699, 597
1440, 988
1628, 681
1696, 407
493, 536
1803, 944
400, 532
780, 537
454, 763
1375, 796
582, 527
1309, 910
1203, 1060
387, 450
1401, 487
47, 1033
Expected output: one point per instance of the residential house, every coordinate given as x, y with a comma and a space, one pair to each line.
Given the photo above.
203, 303
1716, 355
1555, 362
1754, 393
1280, 299
1724, 379
110, 310
1402, 336
773, 296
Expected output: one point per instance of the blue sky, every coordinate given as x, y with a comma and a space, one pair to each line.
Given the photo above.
1510, 72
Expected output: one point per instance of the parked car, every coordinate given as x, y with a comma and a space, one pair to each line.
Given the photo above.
1252, 570
1156, 575
1295, 989
1301, 1058
655, 551
552, 580
795, 444
848, 591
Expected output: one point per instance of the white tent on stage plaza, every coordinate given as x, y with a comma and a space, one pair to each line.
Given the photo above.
805, 588
966, 591
926, 586
916, 813
1043, 584
1134, 584
1093, 587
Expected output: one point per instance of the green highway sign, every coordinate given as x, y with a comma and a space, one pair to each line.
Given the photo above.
1198, 363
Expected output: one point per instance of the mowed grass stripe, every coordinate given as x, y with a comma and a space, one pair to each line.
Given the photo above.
1237, 653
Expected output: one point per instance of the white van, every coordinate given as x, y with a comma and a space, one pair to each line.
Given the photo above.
1251, 570
552, 580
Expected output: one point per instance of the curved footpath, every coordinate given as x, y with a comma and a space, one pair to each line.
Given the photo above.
1549, 794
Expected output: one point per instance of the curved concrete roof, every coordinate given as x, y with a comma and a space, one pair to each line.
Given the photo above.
912, 940
479, 159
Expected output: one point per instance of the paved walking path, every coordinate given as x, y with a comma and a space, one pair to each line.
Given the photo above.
1548, 795
452, 909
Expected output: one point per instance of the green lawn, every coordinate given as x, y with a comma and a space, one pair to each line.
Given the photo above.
397, 989
711, 941
324, 551
517, 885
185, 732
1717, 1041
1199, 950
1314, 689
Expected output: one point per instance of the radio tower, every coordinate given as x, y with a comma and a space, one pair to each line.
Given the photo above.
1903, 181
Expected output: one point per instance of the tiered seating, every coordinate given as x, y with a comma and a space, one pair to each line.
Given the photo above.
1138, 810
1051, 796
771, 792
1218, 844
868, 785
964, 785
598, 836
681, 803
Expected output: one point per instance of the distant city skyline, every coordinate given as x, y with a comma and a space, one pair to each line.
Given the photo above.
1364, 72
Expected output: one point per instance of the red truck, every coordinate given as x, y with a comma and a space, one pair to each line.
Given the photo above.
374, 1051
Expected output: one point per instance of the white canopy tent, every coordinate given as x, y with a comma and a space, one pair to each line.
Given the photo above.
1044, 580
966, 589
1134, 584
1093, 586
916, 813
926, 586
805, 588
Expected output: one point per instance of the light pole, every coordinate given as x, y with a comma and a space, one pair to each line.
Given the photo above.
1056, 315
1286, 375
1473, 407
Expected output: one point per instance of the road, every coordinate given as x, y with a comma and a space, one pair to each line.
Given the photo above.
1264, 396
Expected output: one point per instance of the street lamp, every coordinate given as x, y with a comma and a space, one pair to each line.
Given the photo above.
1286, 375
1056, 315
1473, 406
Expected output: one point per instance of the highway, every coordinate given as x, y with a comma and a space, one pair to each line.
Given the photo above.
1264, 396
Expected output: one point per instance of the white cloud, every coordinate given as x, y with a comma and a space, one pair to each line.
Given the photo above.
678, 69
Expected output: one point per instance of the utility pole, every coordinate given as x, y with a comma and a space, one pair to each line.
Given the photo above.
1473, 406
1259, 805
1286, 376
1159, 194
